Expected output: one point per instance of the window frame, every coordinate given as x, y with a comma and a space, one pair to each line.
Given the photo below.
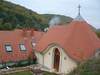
21, 44
8, 44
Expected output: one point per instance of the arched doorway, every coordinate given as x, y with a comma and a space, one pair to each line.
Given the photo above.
56, 59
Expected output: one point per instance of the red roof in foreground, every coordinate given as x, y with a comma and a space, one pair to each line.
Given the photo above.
77, 39
15, 38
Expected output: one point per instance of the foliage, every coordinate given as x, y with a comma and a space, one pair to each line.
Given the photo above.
20, 63
24, 63
15, 16
98, 34
12, 15
91, 67
64, 19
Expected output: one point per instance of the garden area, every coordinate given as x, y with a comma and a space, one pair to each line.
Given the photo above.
30, 73
25, 70
21, 73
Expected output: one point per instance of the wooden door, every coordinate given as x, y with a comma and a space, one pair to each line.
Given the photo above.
56, 59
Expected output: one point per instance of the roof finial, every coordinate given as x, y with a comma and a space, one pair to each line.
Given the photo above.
79, 17
79, 7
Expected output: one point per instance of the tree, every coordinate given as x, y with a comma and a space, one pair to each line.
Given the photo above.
7, 26
1, 0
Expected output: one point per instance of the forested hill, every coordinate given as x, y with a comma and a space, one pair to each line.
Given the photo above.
15, 16
63, 19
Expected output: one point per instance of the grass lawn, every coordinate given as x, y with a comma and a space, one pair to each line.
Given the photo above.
21, 73
29, 73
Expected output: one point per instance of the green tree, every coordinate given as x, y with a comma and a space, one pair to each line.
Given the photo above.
7, 26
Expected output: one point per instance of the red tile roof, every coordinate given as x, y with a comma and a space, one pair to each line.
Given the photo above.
15, 38
77, 39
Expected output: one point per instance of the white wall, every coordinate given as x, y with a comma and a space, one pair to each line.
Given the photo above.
48, 57
39, 57
66, 63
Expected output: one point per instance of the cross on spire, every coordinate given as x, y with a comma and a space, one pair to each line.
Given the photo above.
79, 17
79, 7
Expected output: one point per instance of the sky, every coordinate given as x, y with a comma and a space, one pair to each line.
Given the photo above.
90, 9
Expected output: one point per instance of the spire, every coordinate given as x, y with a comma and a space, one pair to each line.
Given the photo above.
79, 17
79, 7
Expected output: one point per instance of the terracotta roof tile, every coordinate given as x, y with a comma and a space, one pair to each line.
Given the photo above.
15, 38
77, 39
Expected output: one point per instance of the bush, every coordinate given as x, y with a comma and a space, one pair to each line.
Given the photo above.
20, 63
90, 67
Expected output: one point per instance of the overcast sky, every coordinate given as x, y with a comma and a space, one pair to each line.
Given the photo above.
90, 9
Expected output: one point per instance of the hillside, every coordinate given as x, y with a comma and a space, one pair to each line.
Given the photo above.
90, 67
98, 32
15, 16
64, 19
